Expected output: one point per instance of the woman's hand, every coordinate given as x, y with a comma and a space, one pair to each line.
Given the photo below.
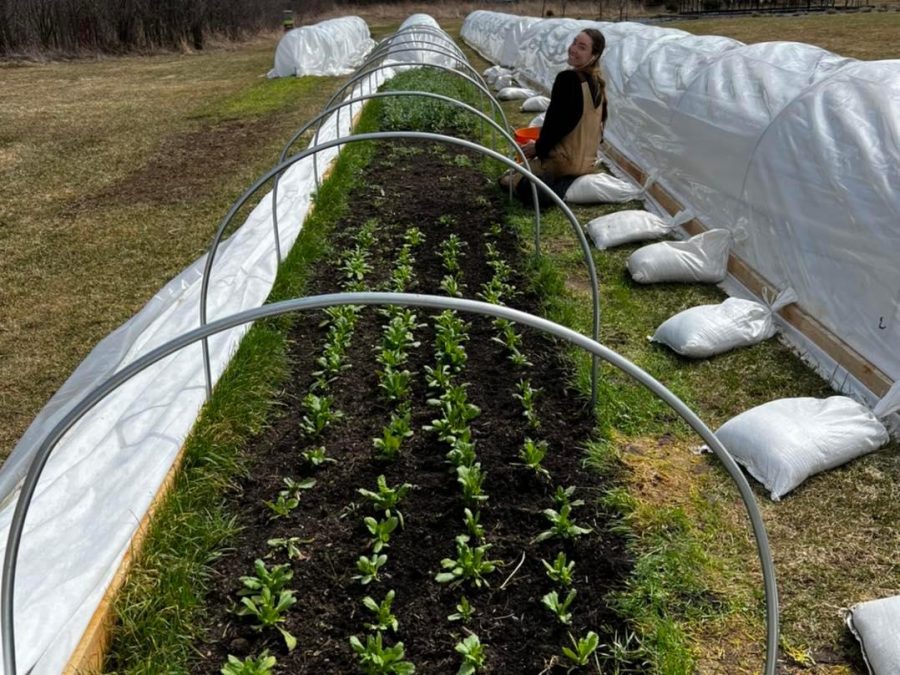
529, 150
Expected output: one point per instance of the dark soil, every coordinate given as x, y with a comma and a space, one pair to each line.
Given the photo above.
416, 185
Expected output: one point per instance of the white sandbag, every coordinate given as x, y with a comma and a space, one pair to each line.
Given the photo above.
784, 442
596, 188
514, 93
502, 82
876, 624
700, 258
706, 330
623, 227
537, 120
535, 104
491, 74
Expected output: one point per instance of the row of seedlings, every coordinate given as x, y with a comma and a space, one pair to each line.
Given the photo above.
394, 383
265, 597
532, 453
471, 564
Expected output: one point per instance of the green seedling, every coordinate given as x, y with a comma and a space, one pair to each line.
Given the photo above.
384, 618
317, 456
381, 531
290, 545
447, 221
464, 611
392, 436
451, 286
472, 480
296, 487
395, 383
473, 524
262, 665
319, 414
563, 496
462, 448
584, 648
368, 568
387, 498
356, 266
560, 571
532, 454
470, 564
562, 525
283, 505
374, 659
439, 377
473, 655
560, 608
528, 395
414, 236
266, 600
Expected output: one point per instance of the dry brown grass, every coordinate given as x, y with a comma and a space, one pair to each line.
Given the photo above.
89, 229
869, 36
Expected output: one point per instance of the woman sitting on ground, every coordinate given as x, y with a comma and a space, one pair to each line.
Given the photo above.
573, 124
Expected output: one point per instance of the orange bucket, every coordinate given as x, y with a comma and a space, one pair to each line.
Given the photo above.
526, 134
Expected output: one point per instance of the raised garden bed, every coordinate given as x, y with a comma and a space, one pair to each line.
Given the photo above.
439, 191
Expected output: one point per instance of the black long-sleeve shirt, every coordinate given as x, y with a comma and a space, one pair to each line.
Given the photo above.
564, 111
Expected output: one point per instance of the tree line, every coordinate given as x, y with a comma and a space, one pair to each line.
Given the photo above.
28, 26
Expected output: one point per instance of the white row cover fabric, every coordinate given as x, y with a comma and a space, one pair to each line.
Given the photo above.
333, 47
793, 144
496, 36
876, 624
535, 104
105, 472
421, 40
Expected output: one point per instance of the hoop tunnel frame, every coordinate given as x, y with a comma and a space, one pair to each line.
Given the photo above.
7, 586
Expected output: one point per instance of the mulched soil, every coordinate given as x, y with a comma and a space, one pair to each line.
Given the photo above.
409, 184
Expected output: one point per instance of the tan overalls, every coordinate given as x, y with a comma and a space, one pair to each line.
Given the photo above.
576, 153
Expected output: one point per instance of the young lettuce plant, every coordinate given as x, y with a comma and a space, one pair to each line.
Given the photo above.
464, 611
384, 618
527, 395
583, 648
560, 608
375, 659
473, 524
319, 414
395, 384
290, 545
369, 567
261, 665
562, 525
462, 447
381, 531
473, 655
284, 504
532, 454
470, 565
266, 599
472, 480
561, 571
316, 457
387, 498
392, 436
563, 496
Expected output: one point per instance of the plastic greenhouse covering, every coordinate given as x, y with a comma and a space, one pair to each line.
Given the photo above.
106, 471
333, 47
792, 148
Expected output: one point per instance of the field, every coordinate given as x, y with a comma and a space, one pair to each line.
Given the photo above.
114, 165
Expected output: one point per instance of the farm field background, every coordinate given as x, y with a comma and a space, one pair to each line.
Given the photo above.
114, 172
